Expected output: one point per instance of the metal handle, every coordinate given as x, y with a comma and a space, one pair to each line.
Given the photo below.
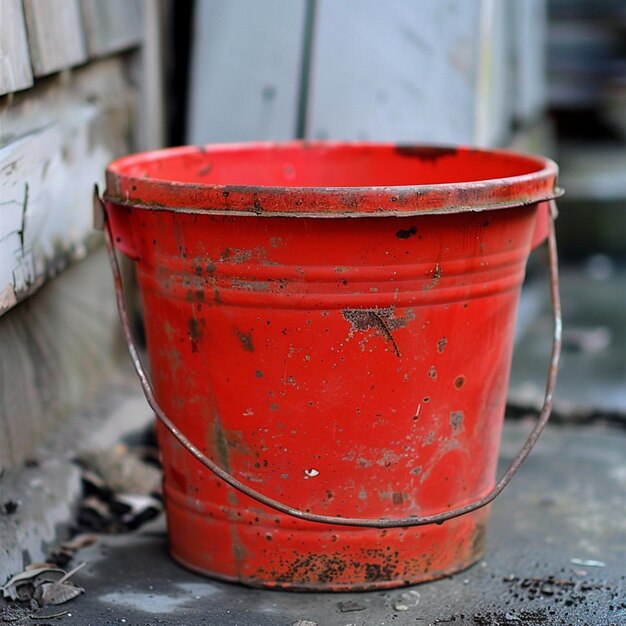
439, 518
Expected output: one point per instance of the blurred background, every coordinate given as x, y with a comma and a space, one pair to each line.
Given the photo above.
84, 81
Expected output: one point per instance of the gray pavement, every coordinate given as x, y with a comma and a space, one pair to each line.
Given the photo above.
563, 512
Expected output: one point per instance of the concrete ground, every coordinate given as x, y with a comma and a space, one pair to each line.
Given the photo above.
556, 554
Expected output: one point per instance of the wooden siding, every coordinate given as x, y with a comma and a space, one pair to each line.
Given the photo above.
48, 172
15, 71
111, 26
55, 34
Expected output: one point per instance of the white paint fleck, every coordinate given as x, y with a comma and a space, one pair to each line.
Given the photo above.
310, 473
587, 562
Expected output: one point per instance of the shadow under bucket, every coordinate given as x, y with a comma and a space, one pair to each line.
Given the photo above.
330, 329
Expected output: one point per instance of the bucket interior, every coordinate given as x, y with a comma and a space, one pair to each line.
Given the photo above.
327, 165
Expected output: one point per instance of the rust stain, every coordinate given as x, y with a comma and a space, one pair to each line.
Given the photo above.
456, 421
423, 153
459, 381
432, 372
245, 340
313, 569
195, 332
380, 319
478, 540
441, 344
221, 444
258, 255
437, 273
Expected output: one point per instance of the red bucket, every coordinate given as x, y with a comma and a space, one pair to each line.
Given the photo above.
330, 329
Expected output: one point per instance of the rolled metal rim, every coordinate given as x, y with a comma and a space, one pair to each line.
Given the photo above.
131, 181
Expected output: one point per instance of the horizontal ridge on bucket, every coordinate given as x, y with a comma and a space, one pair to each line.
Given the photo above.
347, 367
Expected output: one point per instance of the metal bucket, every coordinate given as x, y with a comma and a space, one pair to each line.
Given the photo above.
330, 329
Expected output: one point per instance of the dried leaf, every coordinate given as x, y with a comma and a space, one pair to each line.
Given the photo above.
61, 557
30, 580
80, 541
58, 593
42, 565
122, 471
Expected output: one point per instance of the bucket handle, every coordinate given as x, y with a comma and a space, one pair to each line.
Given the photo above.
438, 518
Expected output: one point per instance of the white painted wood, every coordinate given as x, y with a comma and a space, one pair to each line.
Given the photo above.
55, 34
408, 71
529, 36
15, 71
112, 25
66, 135
245, 70
152, 119
494, 103
397, 71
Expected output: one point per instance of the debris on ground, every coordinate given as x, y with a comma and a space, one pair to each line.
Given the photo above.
407, 600
123, 470
351, 606
560, 590
121, 492
122, 489
587, 562
42, 586
64, 553
539, 617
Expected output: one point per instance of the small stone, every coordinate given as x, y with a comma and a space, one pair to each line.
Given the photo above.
347, 607
407, 600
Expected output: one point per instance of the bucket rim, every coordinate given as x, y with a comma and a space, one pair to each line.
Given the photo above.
157, 194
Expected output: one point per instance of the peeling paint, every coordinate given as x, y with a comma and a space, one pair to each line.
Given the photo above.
381, 319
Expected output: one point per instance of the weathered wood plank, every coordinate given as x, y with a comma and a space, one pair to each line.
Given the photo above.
529, 32
111, 26
55, 35
493, 101
15, 71
245, 70
397, 71
407, 71
67, 135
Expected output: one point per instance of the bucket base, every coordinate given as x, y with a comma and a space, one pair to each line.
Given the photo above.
317, 557
316, 587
